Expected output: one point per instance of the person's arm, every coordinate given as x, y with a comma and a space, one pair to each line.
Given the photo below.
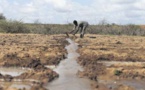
74, 28
77, 29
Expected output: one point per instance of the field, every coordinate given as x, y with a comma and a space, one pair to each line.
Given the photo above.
112, 58
33, 52
105, 59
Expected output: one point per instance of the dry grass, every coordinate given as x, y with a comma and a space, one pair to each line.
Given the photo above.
115, 48
47, 48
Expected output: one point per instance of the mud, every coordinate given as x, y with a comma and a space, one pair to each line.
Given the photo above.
132, 84
67, 70
128, 54
38, 74
25, 48
13, 71
91, 67
42, 52
34, 53
20, 86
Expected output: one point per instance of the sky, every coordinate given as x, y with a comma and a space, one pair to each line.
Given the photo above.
65, 11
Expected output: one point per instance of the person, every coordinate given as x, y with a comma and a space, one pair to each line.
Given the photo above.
79, 26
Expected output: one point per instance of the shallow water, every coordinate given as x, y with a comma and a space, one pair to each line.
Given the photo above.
19, 85
137, 84
109, 63
16, 83
50, 66
67, 70
12, 71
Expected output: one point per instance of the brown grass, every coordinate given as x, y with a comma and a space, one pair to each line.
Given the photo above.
114, 48
49, 49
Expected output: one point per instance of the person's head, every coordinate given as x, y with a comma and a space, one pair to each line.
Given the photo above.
75, 22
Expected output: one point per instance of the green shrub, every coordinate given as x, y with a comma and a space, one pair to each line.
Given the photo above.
9, 26
2, 17
117, 72
114, 29
13, 27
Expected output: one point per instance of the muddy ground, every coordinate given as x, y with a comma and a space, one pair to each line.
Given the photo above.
125, 52
26, 48
33, 52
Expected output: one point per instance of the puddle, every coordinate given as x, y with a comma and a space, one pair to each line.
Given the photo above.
109, 63
19, 85
67, 69
51, 66
12, 71
137, 84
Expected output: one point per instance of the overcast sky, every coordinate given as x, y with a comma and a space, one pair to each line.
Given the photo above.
64, 11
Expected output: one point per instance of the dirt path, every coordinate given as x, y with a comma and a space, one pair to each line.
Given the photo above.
67, 70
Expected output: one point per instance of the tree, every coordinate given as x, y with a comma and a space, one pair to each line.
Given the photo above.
2, 17
37, 21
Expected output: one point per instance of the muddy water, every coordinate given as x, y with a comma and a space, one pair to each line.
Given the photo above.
109, 63
12, 71
67, 70
16, 83
137, 84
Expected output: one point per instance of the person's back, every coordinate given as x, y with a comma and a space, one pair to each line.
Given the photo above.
82, 25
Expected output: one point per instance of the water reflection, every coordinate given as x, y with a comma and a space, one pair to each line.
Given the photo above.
67, 70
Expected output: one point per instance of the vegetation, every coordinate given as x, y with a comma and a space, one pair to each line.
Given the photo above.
114, 29
13, 27
117, 72
9, 26
2, 17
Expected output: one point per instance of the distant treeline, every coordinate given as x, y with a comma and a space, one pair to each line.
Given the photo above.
114, 29
9, 26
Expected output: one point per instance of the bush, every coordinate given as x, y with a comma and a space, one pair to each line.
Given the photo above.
13, 27
9, 26
2, 17
114, 29
39, 29
117, 72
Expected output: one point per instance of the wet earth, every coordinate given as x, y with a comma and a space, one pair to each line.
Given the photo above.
81, 70
24, 58
67, 70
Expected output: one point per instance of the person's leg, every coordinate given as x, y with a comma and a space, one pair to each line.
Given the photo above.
83, 32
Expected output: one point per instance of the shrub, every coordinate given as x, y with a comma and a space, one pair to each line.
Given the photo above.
13, 27
2, 17
114, 29
9, 26
117, 72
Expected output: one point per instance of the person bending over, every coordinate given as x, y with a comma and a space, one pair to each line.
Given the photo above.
79, 26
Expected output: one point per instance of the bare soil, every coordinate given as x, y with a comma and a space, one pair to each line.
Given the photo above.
31, 51
112, 48
26, 47
36, 51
